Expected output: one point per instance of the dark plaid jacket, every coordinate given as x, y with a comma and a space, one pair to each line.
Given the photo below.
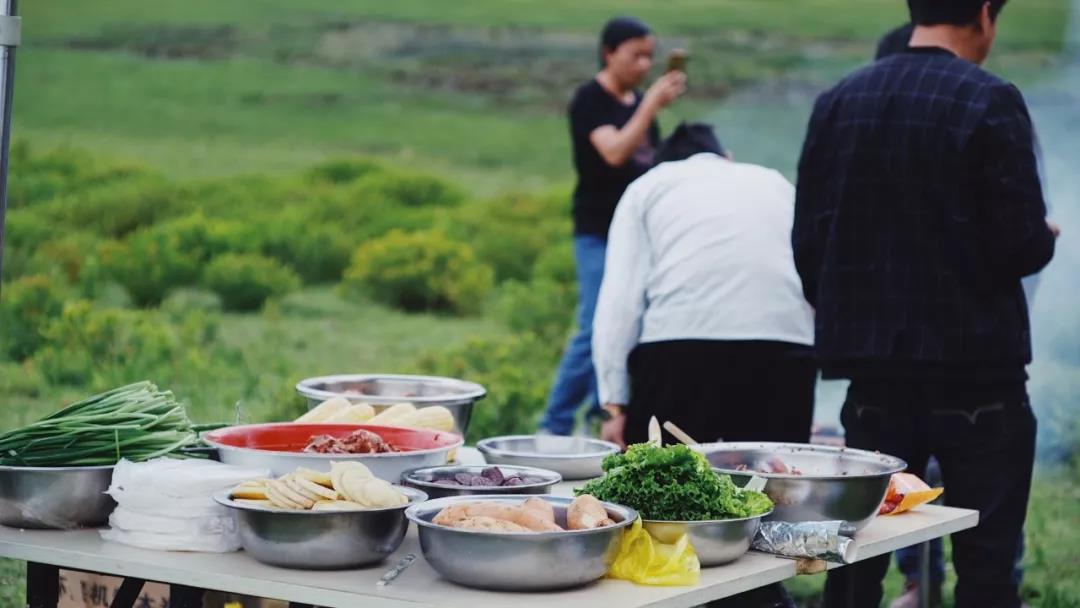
918, 211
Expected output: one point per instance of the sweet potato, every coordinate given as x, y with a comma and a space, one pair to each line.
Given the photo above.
586, 513
511, 513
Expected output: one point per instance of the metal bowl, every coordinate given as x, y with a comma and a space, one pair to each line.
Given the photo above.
278, 447
320, 540
383, 390
716, 541
571, 457
834, 483
422, 480
55, 497
518, 562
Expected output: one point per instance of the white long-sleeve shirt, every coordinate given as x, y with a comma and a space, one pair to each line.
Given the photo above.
698, 249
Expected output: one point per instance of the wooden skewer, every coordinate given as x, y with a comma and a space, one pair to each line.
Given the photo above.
679, 433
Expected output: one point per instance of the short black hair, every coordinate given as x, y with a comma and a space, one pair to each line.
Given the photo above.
950, 12
617, 31
687, 140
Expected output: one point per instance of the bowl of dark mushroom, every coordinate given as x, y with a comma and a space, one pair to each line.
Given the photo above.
466, 480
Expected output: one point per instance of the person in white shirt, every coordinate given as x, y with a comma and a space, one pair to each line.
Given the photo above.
701, 318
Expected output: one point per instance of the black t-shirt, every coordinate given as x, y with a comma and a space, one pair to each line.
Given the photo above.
600, 185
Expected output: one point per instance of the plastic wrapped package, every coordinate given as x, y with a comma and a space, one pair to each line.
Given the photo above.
825, 540
167, 504
906, 491
644, 560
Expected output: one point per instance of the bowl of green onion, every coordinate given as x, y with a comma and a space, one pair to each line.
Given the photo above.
54, 472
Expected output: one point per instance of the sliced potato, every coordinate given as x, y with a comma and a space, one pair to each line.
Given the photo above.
338, 469
249, 490
338, 505
311, 489
256, 503
283, 489
280, 500
319, 477
293, 484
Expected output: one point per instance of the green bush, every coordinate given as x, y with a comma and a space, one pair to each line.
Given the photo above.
27, 307
511, 232
36, 178
245, 281
318, 251
66, 254
518, 371
24, 233
419, 271
187, 299
343, 170
149, 265
556, 264
543, 307
409, 189
118, 208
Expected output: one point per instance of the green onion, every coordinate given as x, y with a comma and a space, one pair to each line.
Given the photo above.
137, 422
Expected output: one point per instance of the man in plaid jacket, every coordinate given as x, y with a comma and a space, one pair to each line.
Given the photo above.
918, 212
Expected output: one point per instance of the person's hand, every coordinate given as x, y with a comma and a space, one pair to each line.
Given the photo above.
613, 428
1054, 228
665, 90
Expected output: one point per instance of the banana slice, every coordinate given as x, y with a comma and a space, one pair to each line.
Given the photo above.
337, 505
281, 501
284, 490
311, 488
319, 477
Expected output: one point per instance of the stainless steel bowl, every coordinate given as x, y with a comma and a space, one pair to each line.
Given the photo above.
55, 497
571, 457
518, 562
320, 540
383, 390
833, 483
716, 542
422, 480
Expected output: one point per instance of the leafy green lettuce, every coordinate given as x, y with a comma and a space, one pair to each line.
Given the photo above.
672, 483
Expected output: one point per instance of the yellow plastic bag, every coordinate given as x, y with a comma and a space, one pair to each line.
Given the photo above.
906, 491
644, 560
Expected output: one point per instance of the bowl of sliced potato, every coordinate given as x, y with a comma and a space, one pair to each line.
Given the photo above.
314, 520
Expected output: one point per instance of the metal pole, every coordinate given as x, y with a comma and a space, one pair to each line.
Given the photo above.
9, 39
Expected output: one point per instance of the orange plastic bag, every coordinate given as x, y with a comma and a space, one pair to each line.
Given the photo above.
906, 492
645, 560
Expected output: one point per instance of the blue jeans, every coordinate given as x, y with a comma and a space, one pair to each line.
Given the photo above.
575, 380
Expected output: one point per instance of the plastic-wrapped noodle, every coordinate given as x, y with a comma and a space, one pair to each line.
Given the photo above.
827, 540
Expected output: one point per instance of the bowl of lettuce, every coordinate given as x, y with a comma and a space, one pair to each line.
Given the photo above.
676, 492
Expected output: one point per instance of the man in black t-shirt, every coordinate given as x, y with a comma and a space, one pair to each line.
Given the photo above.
614, 134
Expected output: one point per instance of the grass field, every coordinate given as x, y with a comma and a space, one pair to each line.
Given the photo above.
472, 90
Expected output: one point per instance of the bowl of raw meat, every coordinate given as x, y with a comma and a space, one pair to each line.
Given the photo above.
466, 480
285, 446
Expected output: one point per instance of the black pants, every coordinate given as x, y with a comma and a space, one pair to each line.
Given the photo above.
984, 438
717, 389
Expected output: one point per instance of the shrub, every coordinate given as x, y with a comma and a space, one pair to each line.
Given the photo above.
318, 251
187, 299
419, 271
543, 307
150, 264
117, 208
36, 178
520, 366
66, 254
25, 231
409, 189
509, 233
343, 170
556, 264
245, 281
28, 305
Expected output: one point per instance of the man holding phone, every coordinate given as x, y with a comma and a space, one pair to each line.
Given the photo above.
614, 134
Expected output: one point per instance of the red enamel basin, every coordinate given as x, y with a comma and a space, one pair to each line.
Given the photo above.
292, 437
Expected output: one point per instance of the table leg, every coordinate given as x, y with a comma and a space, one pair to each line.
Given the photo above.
42, 585
924, 575
181, 596
128, 593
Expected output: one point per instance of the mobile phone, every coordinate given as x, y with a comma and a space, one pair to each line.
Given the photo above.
676, 60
